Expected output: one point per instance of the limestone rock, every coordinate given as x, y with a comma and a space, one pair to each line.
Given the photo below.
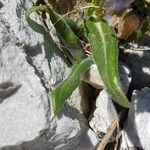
35, 65
136, 131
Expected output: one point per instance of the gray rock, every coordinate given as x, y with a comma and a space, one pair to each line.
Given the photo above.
85, 142
92, 77
30, 67
138, 60
104, 114
105, 111
136, 132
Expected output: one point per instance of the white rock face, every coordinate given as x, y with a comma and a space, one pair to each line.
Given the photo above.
136, 132
34, 65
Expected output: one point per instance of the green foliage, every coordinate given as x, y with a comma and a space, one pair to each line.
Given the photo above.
92, 7
63, 28
63, 25
65, 88
34, 25
60, 23
104, 48
73, 25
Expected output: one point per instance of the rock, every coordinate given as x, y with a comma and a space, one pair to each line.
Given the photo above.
92, 77
104, 114
138, 60
105, 111
30, 66
136, 132
85, 143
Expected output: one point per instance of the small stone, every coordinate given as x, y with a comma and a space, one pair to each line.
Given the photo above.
85, 142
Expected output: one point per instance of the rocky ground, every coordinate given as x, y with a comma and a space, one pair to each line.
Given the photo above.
32, 65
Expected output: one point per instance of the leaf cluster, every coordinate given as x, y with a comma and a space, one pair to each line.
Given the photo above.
103, 45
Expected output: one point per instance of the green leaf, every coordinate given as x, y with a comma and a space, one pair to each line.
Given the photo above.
60, 24
104, 47
92, 8
63, 27
65, 88
76, 26
33, 24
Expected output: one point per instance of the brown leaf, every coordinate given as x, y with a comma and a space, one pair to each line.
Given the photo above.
127, 24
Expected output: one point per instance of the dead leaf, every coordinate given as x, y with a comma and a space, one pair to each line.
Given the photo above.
127, 24
125, 21
148, 1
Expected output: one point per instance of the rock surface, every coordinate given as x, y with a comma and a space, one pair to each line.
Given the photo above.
136, 132
30, 66
104, 114
92, 77
138, 59
105, 111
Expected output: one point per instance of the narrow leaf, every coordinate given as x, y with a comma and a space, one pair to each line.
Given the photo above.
33, 24
63, 27
104, 47
65, 88
60, 24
